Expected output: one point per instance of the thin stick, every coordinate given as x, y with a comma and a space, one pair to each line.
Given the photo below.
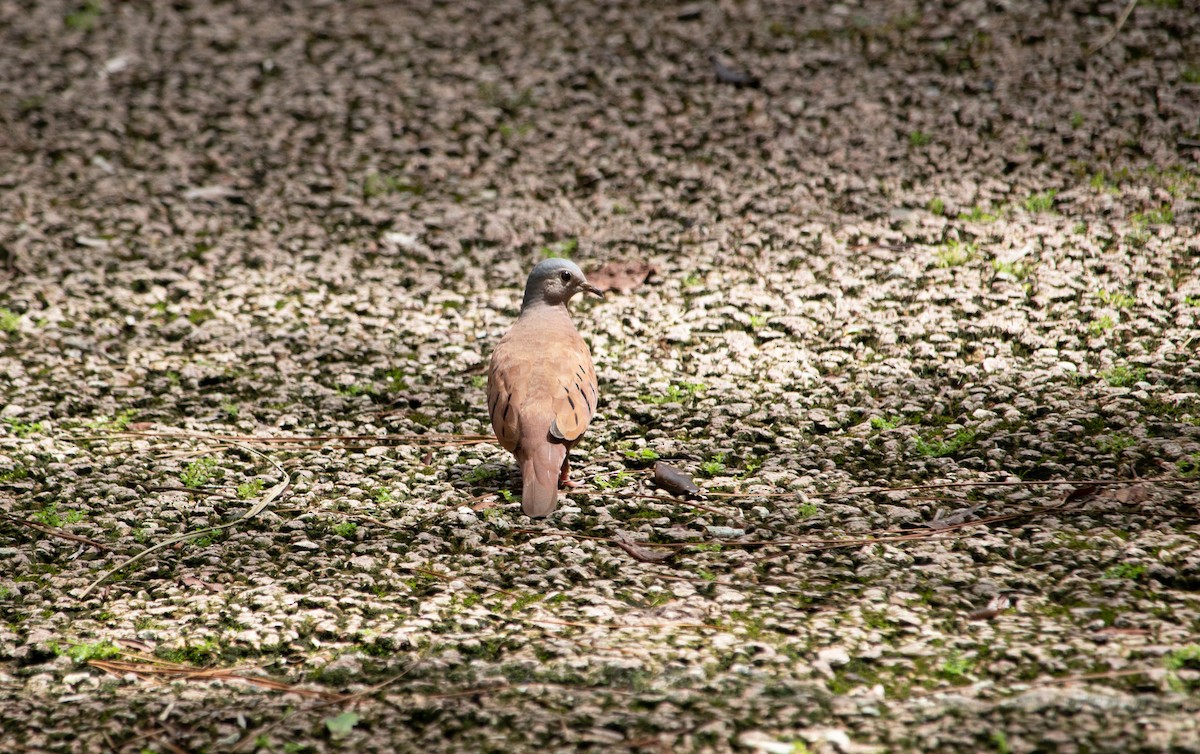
340, 699
299, 439
613, 626
448, 577
1112, 33
156, 669
534, 684
258, 507
191, 491
1050, 681
951, 485
54, 532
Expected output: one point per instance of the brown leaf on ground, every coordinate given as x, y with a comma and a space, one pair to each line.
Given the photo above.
997, 605
133, 645
645, 555
200, 583
955, 518
1082, 492
621, 276
1131, 495
673, 480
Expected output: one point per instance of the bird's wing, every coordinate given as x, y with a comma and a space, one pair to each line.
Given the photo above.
576, 395
505, 378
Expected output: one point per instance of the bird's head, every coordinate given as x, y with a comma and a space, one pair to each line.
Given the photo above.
555, 281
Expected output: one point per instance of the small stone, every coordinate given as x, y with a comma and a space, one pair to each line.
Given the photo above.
834, 656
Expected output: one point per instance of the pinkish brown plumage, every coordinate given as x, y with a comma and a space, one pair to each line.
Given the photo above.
542, 390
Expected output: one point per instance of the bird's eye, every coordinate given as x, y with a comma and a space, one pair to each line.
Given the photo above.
565, 276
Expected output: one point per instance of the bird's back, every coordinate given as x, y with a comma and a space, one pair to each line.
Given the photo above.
542, 394
541, 381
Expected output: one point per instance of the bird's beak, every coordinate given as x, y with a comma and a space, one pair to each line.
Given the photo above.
593, 290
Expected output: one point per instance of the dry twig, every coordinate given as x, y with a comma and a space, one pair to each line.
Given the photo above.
54, 531
1112, 33
153, 669
268, 497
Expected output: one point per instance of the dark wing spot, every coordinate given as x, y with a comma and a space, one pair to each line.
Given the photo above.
507, 408
585, 398
570, 401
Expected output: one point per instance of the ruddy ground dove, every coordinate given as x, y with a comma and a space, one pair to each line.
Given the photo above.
542, 388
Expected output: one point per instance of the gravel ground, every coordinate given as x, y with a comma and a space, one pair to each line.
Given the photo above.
923, 325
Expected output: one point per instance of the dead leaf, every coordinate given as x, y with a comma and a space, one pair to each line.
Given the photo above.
1082, 492
673, 480
645, 555
1132, 495
487, 502
960, 516
997, 605
134, 645
194, 581
621, 276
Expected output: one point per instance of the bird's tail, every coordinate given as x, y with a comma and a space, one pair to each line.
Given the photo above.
539, 479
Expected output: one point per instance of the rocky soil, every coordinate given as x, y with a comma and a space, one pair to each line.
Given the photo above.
923, 326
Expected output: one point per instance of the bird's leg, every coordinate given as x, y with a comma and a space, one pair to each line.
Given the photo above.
564, 475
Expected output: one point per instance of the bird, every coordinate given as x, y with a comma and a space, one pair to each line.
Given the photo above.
541, 390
